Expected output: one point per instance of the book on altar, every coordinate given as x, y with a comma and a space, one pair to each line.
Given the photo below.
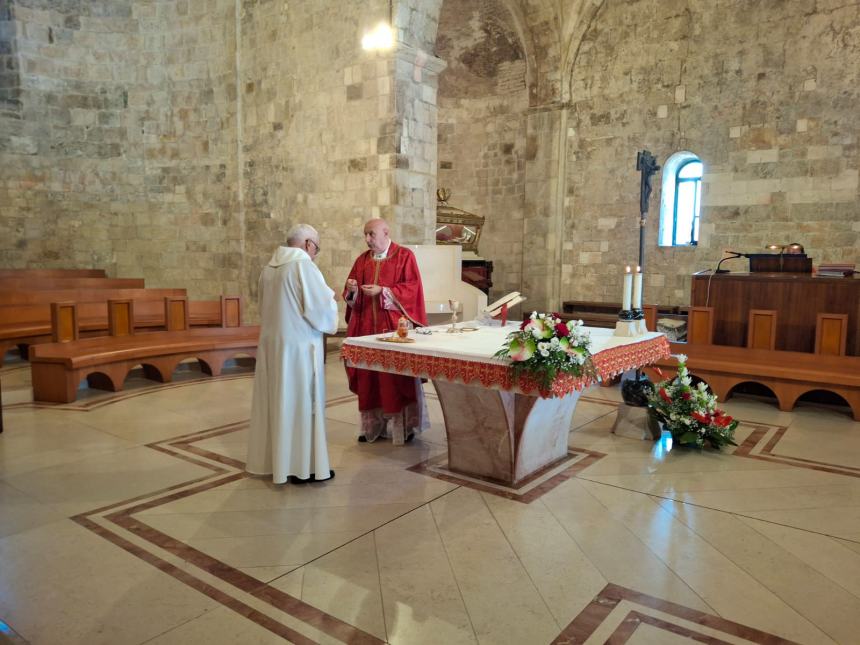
495, 309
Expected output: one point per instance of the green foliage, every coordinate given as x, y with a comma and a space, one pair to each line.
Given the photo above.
545, 347
691, 413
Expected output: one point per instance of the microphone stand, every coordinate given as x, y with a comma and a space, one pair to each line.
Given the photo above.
734, 255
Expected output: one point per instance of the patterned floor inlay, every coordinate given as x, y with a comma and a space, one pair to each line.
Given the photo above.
531, 489
763, 440
258, 601
617, 613
761, 444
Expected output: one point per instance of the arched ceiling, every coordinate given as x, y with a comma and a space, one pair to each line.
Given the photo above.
550, 32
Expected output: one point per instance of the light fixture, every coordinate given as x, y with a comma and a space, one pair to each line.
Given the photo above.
382, 36
791, 249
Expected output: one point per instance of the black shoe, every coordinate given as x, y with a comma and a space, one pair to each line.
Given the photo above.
313, 478
409, 437
362, 439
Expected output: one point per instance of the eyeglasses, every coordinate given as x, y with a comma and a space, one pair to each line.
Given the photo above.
316, 246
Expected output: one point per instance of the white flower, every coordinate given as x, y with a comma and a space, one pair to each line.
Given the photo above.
541, 316
554, 341
537, 333
544, 353
686, 380
702, 386
534, 315
682, 358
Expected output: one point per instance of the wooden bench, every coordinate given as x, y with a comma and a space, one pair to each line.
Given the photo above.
37, 283
789, 375
52, 273
25, 316
605, 314
58, 368
30, 324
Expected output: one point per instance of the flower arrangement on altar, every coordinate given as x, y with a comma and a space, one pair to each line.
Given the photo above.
690, 413
545, 346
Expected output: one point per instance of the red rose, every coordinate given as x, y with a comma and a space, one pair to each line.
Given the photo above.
686, 396
562, 330
665, 395
524, 324
722, 419
701, 418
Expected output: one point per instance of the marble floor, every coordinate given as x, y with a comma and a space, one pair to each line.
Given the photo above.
127, 518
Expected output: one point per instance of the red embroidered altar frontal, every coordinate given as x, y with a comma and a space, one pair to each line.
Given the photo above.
468, 358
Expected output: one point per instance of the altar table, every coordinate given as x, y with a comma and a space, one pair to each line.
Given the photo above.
498, 429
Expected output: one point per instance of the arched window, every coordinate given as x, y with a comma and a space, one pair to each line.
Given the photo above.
681, 200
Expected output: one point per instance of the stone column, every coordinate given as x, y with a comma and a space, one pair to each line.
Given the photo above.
544, 206
411, 152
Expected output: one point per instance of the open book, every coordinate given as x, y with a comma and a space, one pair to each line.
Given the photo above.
511, 299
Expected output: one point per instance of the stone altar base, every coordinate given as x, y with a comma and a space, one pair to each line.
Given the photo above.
503, 437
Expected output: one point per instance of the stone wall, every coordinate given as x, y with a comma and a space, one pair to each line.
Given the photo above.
120, 154
178, 140
764, 93
482, 128
323, 138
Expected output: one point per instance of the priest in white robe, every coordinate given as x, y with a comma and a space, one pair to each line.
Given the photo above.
287, 434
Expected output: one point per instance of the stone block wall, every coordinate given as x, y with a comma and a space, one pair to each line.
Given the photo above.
322, 140
120, 155
764, 93
482, 133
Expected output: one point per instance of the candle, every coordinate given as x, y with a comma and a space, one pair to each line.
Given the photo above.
628, 287
637, 289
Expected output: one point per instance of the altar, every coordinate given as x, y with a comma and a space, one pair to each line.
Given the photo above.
499, 430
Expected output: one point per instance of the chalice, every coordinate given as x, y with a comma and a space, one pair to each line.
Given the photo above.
455, 307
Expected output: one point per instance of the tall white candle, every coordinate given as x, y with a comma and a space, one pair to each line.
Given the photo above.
637, 289
628, 288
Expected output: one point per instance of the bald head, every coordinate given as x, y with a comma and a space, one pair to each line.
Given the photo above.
376, 235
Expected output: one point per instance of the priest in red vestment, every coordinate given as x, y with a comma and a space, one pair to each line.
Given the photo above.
384, 285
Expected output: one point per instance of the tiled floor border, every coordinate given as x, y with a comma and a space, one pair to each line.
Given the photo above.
579, 459
106, 520
761, 443
599, 609
111, 521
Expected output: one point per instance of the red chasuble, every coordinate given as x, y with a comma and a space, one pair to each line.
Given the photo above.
399, 272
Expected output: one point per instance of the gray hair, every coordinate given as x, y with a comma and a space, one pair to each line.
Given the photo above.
301, 232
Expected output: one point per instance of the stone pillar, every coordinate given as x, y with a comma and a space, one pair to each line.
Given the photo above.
411, 151
544, 207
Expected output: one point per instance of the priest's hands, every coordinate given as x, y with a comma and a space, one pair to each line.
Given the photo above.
352, 285
371, 289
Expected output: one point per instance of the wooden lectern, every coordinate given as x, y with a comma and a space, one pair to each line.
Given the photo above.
797, 299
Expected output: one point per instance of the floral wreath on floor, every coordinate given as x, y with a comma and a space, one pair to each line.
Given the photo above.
545, 346
690, 413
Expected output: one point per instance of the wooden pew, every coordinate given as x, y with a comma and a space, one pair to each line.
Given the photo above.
25, 317
42, 284
47, 296
789, 375
30, 324
58, 368
52, 273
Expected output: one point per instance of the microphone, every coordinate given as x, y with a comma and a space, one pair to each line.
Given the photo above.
734, 255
